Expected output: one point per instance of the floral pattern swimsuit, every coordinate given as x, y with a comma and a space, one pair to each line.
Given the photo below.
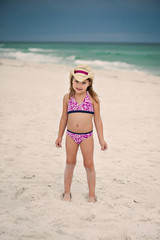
85, 107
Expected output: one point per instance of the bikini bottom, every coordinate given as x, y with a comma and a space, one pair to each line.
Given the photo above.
79, 137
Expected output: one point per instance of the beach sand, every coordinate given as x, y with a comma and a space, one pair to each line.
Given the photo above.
31, 170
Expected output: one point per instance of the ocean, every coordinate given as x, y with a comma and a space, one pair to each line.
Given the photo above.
109, 56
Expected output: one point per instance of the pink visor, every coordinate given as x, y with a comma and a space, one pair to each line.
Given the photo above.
79, 71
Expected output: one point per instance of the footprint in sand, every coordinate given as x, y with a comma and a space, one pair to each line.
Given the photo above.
89, 218
119, 181
19, 192
29, 176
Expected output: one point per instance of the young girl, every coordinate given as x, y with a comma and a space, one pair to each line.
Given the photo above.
79, 106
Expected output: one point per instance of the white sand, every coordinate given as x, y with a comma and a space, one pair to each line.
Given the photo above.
31, 170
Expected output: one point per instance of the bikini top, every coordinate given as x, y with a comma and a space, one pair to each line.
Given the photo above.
85, 107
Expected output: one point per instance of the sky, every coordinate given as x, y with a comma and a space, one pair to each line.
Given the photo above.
80, 20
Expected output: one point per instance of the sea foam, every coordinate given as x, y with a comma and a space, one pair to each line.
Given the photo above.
106, 64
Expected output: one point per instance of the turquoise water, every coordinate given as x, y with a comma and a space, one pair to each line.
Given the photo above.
127, 56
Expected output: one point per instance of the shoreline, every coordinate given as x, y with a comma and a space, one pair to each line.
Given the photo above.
110, 56
22, 63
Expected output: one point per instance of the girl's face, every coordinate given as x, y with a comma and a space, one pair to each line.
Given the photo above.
80, 87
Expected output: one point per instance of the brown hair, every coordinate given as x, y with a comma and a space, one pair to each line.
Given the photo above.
89, 89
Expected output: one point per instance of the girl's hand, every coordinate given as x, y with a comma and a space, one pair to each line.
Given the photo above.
103, 145
58, 142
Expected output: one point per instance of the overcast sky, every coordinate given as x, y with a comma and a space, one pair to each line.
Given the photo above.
82, 20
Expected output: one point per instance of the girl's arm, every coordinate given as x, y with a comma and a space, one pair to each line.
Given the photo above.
99, 125
63, 122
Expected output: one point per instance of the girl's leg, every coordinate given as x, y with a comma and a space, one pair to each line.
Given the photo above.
87, 147
71, 153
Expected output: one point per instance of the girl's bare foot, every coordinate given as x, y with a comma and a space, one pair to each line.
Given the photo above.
92, 199
66, 197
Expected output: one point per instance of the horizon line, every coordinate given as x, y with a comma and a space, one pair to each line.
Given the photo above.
81, 42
